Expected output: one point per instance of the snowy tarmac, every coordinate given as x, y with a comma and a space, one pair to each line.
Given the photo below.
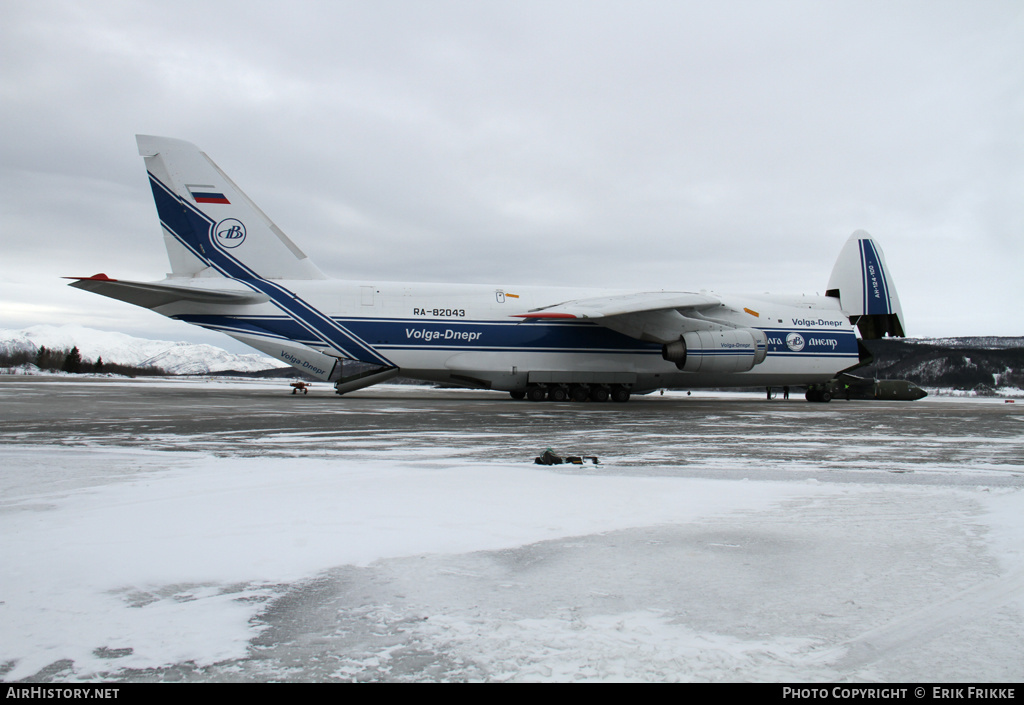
167, 529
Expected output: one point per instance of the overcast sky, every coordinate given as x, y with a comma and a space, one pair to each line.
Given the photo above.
731, 146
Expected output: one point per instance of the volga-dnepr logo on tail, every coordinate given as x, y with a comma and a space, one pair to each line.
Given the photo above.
230, 233
542, 343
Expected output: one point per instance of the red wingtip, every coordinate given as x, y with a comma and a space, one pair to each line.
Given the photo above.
95, 277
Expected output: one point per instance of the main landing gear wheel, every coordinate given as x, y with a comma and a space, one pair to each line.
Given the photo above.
536, 393
575, 392
558, 394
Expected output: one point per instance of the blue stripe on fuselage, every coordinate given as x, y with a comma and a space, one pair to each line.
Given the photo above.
518, 336
419, 334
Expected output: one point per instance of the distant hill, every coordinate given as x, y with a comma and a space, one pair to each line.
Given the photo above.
959, 363
175, 357
977, 342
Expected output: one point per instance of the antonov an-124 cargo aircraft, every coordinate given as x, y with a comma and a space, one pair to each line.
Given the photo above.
234, 271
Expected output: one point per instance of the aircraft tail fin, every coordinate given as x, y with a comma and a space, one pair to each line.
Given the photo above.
866, 293
211, 228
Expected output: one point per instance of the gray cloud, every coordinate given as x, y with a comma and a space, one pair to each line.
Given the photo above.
630, 145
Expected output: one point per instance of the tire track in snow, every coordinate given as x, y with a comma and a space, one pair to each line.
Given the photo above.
926, 624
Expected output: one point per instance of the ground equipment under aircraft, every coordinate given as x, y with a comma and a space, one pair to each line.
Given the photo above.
849, 386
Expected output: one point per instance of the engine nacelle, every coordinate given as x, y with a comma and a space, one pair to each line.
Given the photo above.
732, 350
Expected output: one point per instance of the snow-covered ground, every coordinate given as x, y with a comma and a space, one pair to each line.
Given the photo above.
373, 558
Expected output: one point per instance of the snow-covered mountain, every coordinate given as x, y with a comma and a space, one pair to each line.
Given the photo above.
175, 357
960, 363
980, 342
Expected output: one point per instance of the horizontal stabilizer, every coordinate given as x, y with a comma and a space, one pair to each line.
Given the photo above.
156, 294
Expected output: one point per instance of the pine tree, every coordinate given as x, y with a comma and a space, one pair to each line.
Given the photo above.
50, 359
73, 361
98, 367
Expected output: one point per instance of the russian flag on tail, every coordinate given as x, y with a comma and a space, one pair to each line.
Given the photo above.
207, 194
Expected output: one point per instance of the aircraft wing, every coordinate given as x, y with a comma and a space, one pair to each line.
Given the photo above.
156, 294
623, 304
656, 316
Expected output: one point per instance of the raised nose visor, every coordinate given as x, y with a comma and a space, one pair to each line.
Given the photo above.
735, 350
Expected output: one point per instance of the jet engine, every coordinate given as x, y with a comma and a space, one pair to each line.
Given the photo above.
729, 350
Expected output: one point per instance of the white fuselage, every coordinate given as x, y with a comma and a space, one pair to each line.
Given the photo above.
469, 335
